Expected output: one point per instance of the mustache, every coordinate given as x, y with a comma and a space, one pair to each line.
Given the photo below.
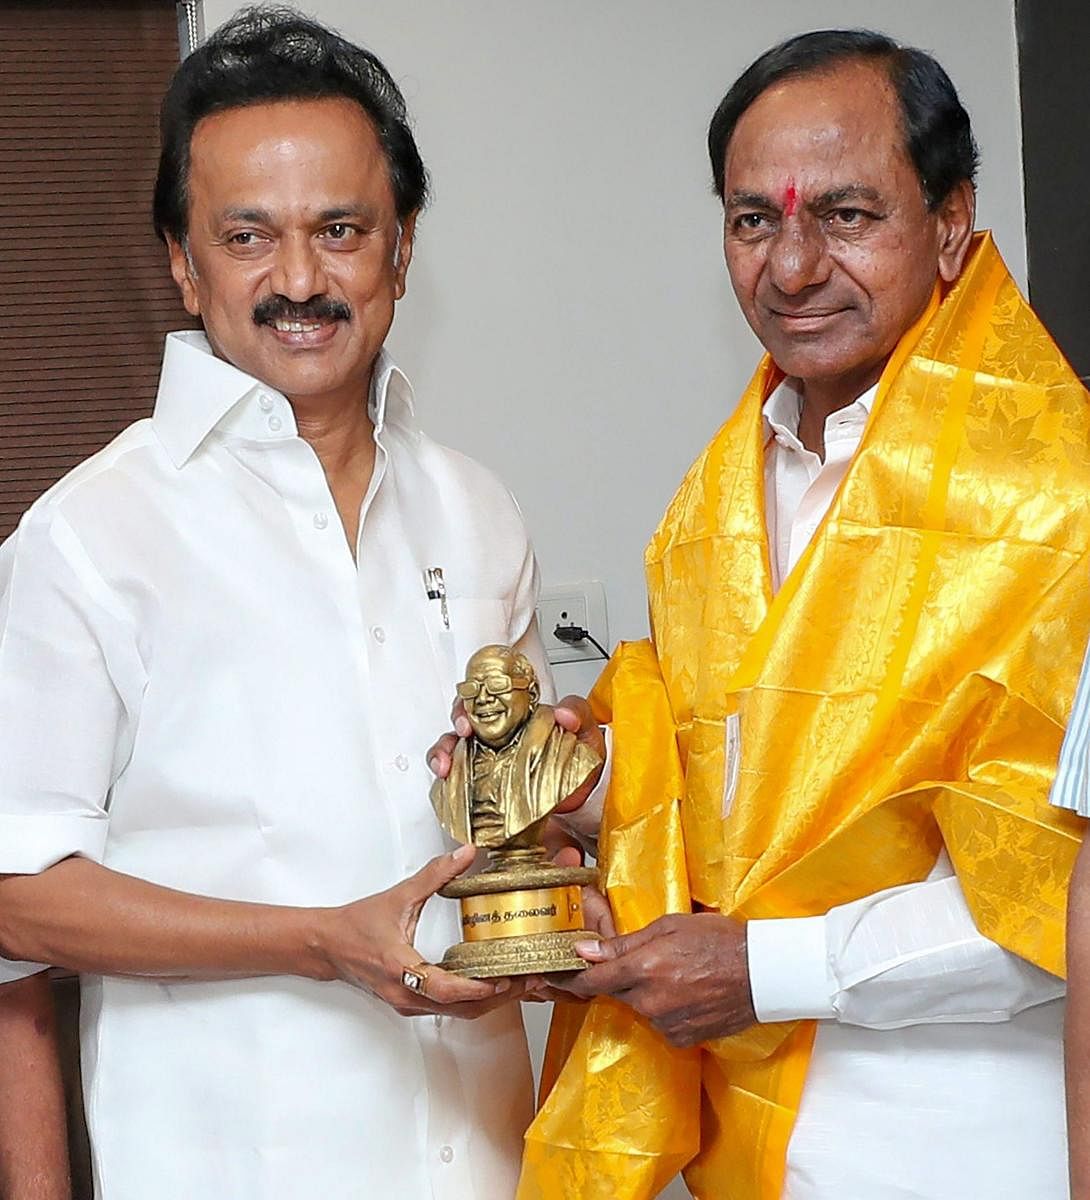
317, 308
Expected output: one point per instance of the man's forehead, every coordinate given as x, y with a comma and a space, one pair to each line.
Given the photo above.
836, 124
320, 211
814, 193
262, 117
332, 137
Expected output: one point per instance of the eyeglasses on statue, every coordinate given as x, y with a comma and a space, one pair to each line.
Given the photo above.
494, 685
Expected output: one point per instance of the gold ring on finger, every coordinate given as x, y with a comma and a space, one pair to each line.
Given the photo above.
415, 978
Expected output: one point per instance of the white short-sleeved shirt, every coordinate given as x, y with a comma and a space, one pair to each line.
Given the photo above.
10, 971
200, 687
1071, 787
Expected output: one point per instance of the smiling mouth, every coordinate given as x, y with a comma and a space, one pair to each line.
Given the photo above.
296, 326
302, 325
302, 335
817, 314
811, 321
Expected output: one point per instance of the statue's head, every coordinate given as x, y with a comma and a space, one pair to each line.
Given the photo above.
499, 692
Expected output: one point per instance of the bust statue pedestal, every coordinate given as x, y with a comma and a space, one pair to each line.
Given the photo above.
521, 916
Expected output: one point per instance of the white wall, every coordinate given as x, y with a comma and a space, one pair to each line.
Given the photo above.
569, 319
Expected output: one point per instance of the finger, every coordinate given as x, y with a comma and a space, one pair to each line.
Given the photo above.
594, 950
417, 889
533, 988
558, 986
445, 988
597, 950
568, 856
441, 755
471, 1009
411, 1003
550, 994
597, 913
607, 979
459, 719
573, 713
558, 837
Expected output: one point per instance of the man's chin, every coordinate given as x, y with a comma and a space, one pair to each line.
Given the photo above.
818, 363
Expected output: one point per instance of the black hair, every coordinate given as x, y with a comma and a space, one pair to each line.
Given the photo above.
265, 54
938, 135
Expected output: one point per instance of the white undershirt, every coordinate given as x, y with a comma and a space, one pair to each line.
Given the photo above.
937, 1067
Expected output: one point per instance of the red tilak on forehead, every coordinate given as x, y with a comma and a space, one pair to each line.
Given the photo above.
790, 199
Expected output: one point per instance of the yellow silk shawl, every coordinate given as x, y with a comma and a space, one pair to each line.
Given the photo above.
906, 688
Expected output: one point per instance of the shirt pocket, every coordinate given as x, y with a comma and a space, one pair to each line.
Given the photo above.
472, 622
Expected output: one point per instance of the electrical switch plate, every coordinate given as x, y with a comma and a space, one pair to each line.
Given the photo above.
582, 604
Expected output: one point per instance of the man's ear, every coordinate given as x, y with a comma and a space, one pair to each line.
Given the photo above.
956, 215
184, 276
404, 254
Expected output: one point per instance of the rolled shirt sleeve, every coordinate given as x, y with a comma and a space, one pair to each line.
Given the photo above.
586, 820
1070, 787
11, 971
905, 956
68, 659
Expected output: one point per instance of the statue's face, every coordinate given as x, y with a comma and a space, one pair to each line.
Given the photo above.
497, 699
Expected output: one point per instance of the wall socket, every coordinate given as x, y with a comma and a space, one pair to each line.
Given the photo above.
582, 604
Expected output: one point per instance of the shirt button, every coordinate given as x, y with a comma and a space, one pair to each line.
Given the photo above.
320, 520
401, 762
378, 633
275, 424
265, 402
446, 1154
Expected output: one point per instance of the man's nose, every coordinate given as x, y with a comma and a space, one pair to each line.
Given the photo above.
799, 256
298, 272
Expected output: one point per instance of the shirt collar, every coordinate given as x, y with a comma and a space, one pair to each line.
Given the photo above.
199, 392
783, 408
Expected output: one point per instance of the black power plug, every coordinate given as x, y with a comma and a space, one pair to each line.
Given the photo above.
574, 634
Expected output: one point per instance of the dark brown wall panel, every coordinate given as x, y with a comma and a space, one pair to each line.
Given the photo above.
85, 295
1053, 41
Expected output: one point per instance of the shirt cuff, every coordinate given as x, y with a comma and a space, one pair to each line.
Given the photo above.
586, 820
1069, 787
789, 975
30, 844
11, 971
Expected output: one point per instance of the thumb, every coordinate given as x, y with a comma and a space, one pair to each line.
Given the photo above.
573, 714
418, 888
568, 856
599, 950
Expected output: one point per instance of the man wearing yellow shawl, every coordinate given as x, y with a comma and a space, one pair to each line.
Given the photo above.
827, 842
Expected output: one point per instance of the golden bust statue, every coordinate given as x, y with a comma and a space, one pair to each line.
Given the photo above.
518, 765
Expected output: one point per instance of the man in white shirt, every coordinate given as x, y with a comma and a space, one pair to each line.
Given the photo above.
224, 641
1071, 791
862, 603
33, 1153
